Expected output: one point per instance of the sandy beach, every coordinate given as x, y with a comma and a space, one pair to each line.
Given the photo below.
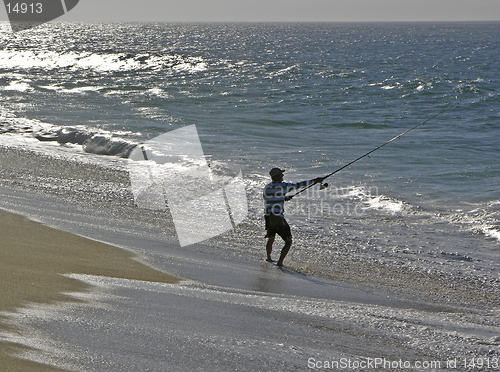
33, 259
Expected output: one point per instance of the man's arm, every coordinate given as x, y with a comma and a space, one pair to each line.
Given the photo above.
303, 184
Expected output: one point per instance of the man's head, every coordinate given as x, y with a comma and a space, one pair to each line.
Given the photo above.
276, 174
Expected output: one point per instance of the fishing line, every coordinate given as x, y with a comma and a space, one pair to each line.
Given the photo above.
323, 185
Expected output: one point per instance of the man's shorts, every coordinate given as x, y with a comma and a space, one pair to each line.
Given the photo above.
277, 225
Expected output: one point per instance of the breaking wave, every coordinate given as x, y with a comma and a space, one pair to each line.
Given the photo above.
484, 219
92, 141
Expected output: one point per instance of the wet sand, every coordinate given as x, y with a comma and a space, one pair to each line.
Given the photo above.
33, 260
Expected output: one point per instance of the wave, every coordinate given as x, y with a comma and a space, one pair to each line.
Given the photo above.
107, 145
370, 199
485, 219
92, 141
99, 62
19, 86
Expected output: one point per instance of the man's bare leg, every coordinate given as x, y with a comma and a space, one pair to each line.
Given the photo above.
269, 248
284, 251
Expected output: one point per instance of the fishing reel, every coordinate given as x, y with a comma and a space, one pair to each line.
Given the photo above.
323, 186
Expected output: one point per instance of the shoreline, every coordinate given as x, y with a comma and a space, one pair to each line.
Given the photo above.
33, 261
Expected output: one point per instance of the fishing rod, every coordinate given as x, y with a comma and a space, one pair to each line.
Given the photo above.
323, 185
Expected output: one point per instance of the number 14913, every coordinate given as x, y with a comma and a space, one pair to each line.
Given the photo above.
24, 8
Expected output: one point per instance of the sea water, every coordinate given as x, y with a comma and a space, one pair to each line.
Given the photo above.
308, 98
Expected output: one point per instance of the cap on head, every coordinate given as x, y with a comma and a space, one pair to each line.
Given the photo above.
276, 171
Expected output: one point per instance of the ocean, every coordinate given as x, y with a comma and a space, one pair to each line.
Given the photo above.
308, 98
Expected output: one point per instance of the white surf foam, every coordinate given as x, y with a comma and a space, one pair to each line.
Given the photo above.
104, 62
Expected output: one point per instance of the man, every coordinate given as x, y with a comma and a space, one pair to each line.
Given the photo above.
274, 200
